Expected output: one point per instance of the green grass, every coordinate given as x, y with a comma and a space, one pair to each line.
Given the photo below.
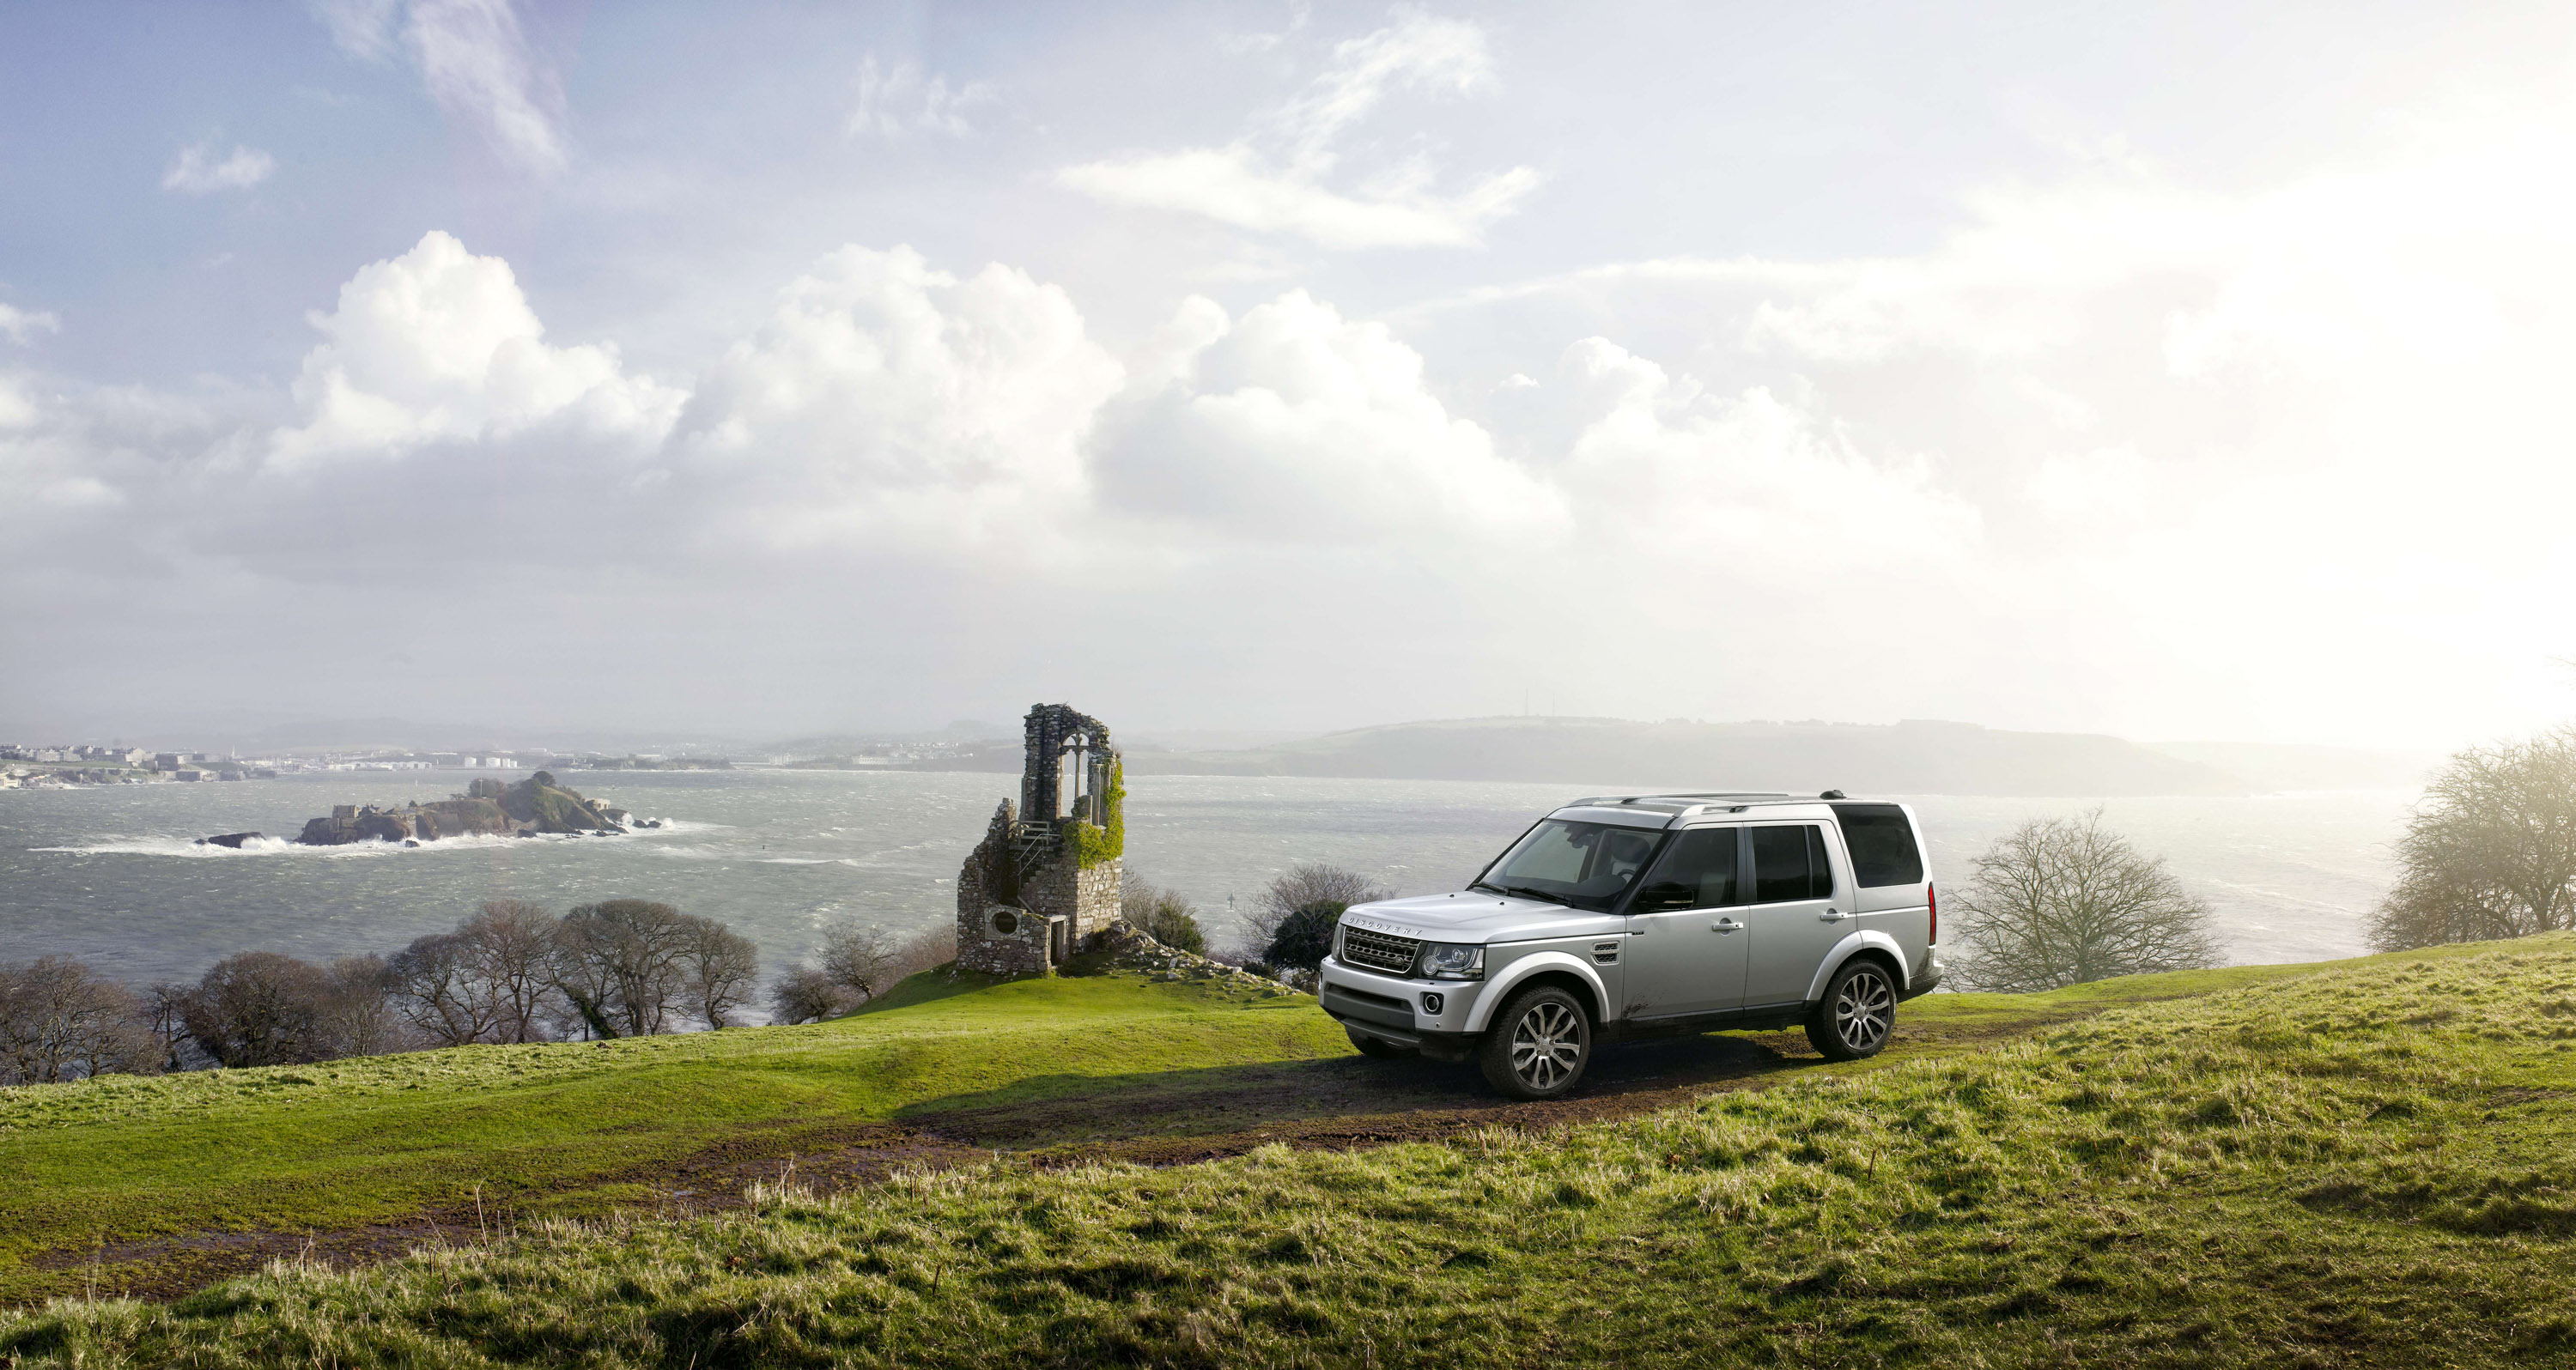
2372, 1162
552, 1128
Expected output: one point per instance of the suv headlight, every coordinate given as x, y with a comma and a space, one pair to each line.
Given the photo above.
1453, 961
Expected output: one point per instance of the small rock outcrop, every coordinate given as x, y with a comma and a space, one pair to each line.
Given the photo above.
533, 806
233, 840
1124, 946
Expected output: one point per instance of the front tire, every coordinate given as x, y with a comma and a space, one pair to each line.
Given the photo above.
1376, 1048
1858, 1014
1539, 1044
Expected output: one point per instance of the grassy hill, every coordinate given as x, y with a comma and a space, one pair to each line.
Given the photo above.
2367, 1162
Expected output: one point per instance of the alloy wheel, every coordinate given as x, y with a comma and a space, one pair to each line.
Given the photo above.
1864, 1010
1547, 1045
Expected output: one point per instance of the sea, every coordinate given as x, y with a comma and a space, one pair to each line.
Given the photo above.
111, 875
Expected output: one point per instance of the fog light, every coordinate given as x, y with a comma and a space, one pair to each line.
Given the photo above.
1431, 1002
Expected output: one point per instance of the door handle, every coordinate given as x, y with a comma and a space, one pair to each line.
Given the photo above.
1834, 915
1724, 925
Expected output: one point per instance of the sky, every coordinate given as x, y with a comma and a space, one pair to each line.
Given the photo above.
2187, 371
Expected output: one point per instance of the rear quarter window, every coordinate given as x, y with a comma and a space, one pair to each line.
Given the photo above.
1882, 846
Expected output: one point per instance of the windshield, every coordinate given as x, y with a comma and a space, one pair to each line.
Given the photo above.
1585, 865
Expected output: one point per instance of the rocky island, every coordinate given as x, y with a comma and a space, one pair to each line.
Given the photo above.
534, 806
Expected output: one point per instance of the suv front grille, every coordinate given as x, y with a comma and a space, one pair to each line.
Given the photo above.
1378, 951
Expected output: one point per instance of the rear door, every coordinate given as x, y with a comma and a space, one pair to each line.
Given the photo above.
1894, 892
1687, 930
1799, 912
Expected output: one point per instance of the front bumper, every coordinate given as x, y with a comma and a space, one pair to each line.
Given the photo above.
1392, 1007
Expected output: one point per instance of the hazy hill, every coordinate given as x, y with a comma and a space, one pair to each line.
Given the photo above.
1914, 757
2277, 766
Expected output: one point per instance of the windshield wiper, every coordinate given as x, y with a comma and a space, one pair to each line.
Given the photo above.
1531, 892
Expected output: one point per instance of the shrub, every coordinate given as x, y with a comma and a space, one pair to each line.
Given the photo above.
1305, 937
1309, 883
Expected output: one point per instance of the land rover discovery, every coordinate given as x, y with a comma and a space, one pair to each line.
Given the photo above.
1621, 917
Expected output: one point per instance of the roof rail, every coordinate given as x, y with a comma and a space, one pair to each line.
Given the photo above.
1680, 798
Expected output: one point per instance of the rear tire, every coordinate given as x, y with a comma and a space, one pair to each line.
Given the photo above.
1539, 1044
1377, 1048
1858, 1013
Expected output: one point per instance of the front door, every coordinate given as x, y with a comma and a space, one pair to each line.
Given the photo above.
1686, 926
1797, 915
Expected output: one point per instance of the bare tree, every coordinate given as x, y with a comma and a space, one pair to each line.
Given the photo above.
166, 1007
864, 960
621, 964
441, 989
357, 1016
60, 1020
807, 995
512, 940
2491, 849
1312, 882
928, 949
723, 970
2062, 901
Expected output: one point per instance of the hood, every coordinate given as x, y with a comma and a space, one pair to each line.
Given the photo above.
1471, 916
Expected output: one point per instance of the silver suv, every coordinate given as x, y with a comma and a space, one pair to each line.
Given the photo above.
1648, 915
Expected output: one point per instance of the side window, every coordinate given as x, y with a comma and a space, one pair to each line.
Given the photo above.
1780, 871
1820, 867
1697, 872
1881, 843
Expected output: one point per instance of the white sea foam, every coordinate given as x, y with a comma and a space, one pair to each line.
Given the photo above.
278, 846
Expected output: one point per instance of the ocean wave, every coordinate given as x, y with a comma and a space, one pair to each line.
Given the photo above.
190, 848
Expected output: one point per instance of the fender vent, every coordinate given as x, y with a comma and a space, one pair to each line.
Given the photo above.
1605, 953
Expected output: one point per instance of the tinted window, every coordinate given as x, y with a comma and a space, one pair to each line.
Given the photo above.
1697, 872
1789, 863
1881, 843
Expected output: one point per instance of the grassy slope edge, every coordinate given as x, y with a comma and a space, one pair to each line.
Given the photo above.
2367, 1164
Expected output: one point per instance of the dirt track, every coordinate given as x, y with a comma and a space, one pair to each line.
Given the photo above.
1168, 1118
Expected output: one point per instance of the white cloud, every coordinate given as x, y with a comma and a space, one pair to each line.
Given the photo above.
439, 345
1273, 180
886, 402
1417, 52
902, 100
197, 171
1295, 424
1677, 473
1233, 185
363, 28
475, 61
21, 326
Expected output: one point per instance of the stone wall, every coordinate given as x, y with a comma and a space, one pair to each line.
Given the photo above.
1007, 941
1088, 898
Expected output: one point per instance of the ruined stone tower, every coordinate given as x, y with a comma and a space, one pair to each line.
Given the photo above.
1045, 878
